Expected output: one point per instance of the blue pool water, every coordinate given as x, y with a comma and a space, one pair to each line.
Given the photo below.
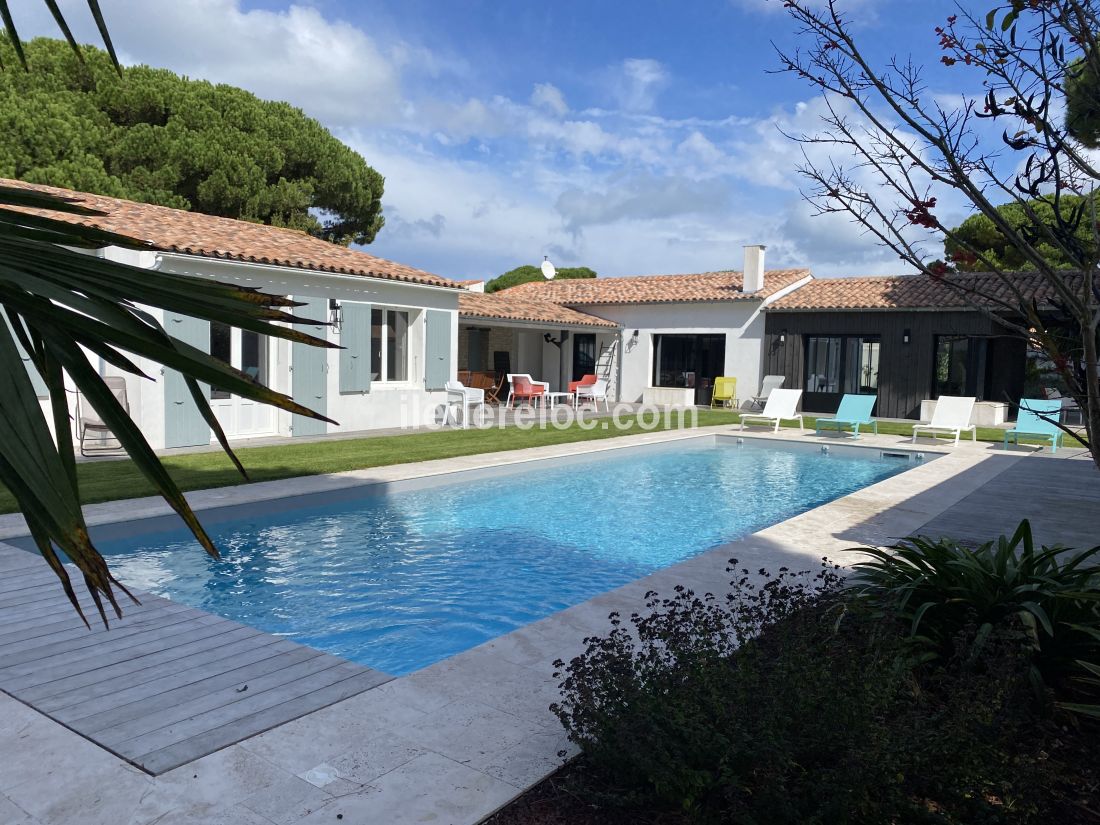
399, 580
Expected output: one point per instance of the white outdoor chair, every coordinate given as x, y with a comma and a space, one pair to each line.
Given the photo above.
951, 416
593, 392
511, 384
465, 398
782, 405
770, 383
88, 421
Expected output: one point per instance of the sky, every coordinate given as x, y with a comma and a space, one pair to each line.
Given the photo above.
631, 137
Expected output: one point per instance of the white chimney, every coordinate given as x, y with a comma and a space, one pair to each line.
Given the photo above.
754, 269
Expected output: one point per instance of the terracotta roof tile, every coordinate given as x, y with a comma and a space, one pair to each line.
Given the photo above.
193, 233
503, 306
657, 289
911, 292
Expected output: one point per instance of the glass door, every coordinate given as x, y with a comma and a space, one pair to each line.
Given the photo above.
691, 361
959, 366
839, 364
584, 355
248, 352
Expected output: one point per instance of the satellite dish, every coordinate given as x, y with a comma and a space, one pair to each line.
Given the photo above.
548, 271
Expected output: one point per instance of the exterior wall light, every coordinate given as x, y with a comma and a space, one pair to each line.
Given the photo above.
335, 314
783, 336
905, 335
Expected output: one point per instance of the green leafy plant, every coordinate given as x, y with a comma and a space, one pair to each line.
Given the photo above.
938, 586
1091, 686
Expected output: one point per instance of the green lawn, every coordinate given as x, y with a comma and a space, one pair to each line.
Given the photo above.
112, 480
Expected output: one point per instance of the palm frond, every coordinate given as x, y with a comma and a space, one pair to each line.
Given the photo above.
61, 305
62, 24
13, 35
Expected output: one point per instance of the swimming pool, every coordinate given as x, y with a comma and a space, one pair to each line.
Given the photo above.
400, 579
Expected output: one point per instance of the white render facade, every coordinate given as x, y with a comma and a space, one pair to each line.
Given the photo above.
411, 397
739, 325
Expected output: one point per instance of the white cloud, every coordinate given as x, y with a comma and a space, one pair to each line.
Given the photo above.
636, 83
548, 96
640, 197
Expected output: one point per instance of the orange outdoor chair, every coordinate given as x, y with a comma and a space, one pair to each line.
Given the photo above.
524, 389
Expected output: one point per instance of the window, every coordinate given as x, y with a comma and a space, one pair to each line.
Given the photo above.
389, 345
584, 355
689, 361
221, 347
838, 364
245, 350
861, 362
959, 367
823, 364
252, 356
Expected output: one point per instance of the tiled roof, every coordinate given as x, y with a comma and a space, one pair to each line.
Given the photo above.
471, 282
503, 306
657, 289
912, 292
193, 233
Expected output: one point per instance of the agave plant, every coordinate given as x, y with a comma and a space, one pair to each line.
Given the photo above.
1090, 686
60, 306
940, 587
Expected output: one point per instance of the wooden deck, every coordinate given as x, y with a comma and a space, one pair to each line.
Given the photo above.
1059, 497
164, 685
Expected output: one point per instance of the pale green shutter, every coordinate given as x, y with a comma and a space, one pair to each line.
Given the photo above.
36, 379
437, 349
184, 425
355, 371
309, 375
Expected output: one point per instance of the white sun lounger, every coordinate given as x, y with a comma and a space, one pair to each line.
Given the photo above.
782, 405
951, 416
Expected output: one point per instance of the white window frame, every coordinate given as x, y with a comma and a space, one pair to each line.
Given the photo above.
236, 356
382, 377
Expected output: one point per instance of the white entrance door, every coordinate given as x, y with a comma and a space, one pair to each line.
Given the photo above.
248, 352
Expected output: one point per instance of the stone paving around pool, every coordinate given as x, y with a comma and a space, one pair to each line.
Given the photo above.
457, 740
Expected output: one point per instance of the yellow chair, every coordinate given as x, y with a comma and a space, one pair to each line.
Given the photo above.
725, 392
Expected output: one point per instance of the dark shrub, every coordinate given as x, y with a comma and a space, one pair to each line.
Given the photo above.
783, 704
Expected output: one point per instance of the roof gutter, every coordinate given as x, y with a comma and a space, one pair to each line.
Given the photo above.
875, 309
527, 324
298, 270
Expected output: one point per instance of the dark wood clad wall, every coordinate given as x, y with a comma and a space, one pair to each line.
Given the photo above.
905, 370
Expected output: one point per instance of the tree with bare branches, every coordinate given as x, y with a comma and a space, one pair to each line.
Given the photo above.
889, 150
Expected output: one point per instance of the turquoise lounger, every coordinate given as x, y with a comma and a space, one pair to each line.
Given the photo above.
854, 412
1031, 423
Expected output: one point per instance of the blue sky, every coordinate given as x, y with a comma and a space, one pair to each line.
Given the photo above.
634, 137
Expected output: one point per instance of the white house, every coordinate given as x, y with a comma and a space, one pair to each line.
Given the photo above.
397, 325
679, 332
404, 332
